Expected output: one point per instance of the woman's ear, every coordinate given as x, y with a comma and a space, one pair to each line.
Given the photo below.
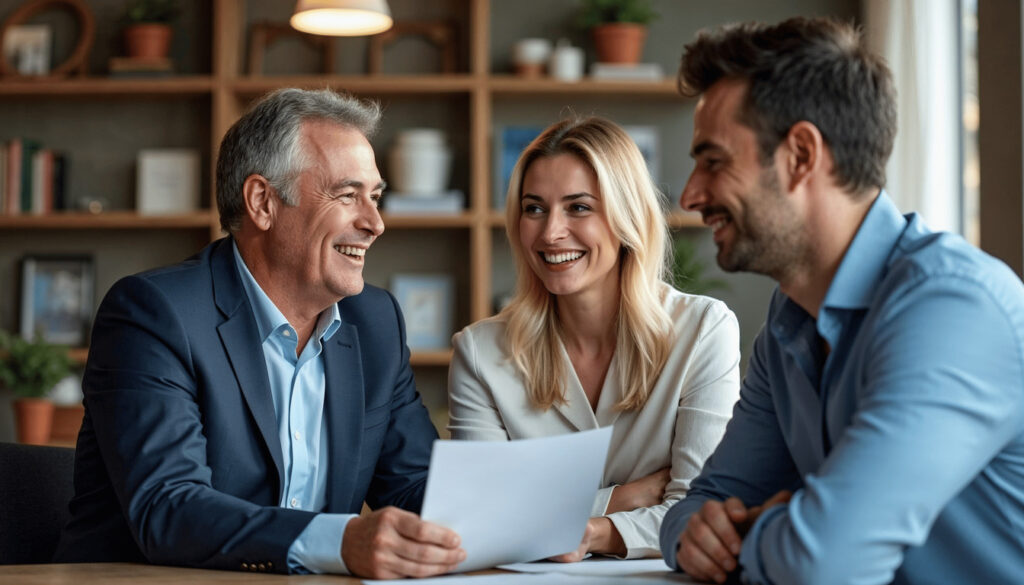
260, 201
805, 150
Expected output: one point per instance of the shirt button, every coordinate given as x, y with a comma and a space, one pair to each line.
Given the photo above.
295, 502
286, 333
297, 435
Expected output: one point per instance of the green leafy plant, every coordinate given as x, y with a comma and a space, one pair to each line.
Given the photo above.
151, 11
596, 12
688, 270
31, 368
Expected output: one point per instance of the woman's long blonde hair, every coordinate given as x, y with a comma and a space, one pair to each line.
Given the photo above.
632, 207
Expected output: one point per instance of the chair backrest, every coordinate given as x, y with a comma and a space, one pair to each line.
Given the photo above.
36, 484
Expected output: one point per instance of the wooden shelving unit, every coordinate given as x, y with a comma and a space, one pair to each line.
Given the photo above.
229, 92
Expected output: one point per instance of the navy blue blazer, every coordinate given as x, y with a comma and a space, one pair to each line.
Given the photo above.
179, 461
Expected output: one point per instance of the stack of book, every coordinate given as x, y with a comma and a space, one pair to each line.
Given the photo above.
32, 178
620, 72
140, 67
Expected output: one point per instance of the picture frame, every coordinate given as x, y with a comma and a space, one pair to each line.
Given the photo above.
649, 143
57, 298
427, 302
510, 143
27, 48
167, 181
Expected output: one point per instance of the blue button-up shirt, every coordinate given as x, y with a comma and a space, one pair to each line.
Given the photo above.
297, 385
905, 443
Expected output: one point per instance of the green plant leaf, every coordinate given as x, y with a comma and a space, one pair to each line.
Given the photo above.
688, 270
31, 368
151, 11
597, 12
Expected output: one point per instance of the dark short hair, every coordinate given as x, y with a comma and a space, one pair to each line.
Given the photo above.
813, 69
266, 141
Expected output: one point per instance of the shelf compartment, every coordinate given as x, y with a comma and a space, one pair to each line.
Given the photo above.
107, 220
361, 84
109, 87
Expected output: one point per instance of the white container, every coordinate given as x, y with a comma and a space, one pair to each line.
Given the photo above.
420, 163
566, 62
531, 51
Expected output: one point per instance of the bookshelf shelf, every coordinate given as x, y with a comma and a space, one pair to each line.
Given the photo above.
107, 220
107, 87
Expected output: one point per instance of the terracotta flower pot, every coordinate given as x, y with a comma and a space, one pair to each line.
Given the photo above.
620, 42
147, 41
34, 419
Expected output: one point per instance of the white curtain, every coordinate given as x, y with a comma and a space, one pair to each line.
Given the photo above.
920, 41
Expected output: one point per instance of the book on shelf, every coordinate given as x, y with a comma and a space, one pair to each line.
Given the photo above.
450, 202
33, 178
622, 72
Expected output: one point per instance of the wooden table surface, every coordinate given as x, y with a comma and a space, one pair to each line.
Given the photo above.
125, 573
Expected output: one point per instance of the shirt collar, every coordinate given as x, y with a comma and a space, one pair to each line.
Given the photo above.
863, 266
268, 317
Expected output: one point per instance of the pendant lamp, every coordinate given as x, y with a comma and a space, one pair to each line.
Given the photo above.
345, 18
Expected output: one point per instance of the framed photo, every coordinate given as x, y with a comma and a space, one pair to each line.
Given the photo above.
646, 139
57, 299
427, 301
167, 181
510, 143
27, 48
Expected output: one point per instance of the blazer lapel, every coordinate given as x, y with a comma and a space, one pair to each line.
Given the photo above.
241, 340
606, 413
575, 409
344, 403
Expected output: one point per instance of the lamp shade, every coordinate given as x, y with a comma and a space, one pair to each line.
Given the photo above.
346, 18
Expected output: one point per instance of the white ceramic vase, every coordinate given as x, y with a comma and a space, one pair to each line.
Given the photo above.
420, 163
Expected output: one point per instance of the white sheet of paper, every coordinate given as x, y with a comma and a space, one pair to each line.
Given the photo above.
596, 566
545, 579
515, 501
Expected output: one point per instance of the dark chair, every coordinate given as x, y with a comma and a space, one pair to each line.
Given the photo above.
35, 488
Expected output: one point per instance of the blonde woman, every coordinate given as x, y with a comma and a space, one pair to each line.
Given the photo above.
595, 336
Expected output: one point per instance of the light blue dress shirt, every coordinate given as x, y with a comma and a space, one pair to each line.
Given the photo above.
297, 386
905, 443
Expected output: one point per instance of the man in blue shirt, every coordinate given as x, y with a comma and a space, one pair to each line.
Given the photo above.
241, 406
879, 436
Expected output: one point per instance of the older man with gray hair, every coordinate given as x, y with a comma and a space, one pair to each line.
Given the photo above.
242, 405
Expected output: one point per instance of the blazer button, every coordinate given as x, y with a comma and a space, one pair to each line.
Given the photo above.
270, 565
245, 566
263, 567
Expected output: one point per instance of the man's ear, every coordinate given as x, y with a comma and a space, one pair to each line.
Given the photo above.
804, 152
261, 201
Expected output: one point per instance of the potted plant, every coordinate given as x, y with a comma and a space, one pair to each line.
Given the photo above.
688, 270
619, 28
30, 369
147, 32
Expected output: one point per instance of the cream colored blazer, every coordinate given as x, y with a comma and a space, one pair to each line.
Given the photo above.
680, 425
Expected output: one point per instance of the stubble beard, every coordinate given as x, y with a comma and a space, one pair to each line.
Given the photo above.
768, 238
